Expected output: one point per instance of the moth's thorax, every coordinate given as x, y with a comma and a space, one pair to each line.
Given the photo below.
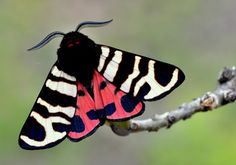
78, 56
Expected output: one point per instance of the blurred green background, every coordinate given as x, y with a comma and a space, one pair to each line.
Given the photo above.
199, 36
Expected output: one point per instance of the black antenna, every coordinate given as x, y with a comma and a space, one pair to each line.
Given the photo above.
55, 34
47, 39
91, 24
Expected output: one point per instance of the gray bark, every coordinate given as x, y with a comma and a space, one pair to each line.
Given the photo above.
224, 93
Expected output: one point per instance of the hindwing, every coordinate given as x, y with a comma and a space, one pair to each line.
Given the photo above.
106, 104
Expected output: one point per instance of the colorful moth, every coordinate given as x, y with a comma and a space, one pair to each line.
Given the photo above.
89, 84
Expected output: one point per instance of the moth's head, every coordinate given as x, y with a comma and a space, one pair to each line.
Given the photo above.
72, 39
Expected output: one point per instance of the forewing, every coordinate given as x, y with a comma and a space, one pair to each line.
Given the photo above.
49, 121
141, 77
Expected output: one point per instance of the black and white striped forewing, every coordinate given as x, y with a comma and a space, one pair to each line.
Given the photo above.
50, 118
142, 77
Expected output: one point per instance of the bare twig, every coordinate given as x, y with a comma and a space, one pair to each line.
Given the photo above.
225, 93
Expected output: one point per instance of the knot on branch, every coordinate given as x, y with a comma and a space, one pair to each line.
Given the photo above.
227, 74
229, 96
209, 101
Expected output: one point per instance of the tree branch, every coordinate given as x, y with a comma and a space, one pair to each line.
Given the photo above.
224, 93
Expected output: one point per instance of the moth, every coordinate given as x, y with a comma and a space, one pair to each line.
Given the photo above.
90, 84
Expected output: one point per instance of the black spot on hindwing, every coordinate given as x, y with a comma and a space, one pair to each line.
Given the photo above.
77, 124
103, 85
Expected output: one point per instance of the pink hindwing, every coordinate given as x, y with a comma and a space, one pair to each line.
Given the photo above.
82, 125
106, 104
117, 104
